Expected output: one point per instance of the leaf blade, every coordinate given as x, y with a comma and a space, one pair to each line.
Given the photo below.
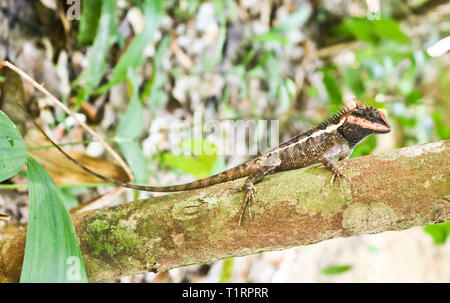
12, 148
89, 19
336, 269
227, 270
52, 252
130, 127
439, 232
93, 73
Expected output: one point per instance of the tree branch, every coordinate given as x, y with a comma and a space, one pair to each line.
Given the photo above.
391, 191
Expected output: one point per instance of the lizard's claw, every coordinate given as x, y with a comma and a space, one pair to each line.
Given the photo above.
249, 198
339, 176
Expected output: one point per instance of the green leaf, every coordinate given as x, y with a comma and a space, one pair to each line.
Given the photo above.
12, 148
130, 127
413, 97
442, 129
186, 11
313, 92
407, 80
219, 165
200, 166
227, 270
365, 148
277, 34
444, 81
332, 87
295, 20
360, 28
373, 31
217, 54
336, 269
90, 15
131, 123
352, 78
69, 199
390, 30
93, 73
270, 37
52, 252
439, 232
408, 122
133, 56
134, 156
155, 85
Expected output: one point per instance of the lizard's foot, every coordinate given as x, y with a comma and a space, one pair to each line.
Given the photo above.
336, 172
339, 175
249, 198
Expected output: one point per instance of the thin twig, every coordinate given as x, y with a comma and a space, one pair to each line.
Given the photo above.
4, 218
59, 104
101, 202
66, 144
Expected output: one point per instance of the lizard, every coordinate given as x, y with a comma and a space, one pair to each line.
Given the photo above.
331, 140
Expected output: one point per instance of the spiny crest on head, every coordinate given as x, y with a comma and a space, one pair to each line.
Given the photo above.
336, 118
333, 120
356, 104
344, 111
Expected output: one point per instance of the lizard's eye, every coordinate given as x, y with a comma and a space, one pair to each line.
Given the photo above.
371, 114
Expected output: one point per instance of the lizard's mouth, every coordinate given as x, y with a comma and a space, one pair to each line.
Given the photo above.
385, 130
384, 126
381, 128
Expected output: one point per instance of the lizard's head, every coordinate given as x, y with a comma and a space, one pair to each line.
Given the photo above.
362, 121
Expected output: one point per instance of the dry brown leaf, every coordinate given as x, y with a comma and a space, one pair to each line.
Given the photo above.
63, 171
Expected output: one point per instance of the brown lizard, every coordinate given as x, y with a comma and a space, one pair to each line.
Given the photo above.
331, 140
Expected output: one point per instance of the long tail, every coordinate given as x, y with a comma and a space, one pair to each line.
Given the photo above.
237, 172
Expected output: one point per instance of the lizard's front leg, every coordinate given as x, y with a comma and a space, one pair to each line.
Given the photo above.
250, 190
336, 171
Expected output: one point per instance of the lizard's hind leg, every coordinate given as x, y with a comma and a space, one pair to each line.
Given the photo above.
249, 187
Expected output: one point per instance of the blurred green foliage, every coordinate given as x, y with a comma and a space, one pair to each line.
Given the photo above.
133, 57
105, 25
200, 166
91, 11
336, 269
439, 232
227, 270
154, 93
130, 127
373, 31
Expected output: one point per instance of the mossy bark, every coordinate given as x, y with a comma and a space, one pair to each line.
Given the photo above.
390, 191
